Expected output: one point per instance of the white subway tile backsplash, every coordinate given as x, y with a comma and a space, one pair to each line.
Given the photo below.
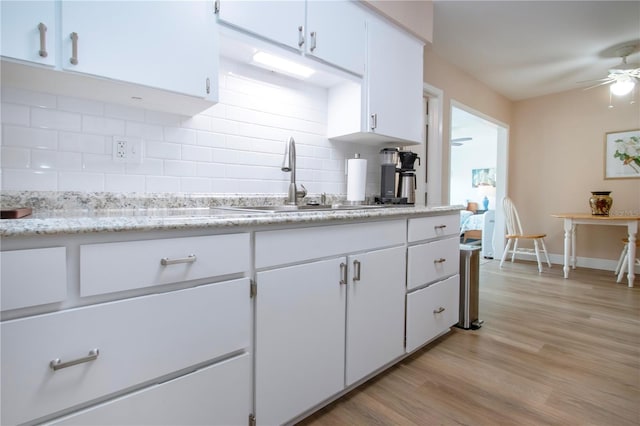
65, 142
15, 114
124, 183
82, 142
56, 160
196, 153
179, 168
195, 184
80, 181
101, 163
165, 150
34, 180
55, 119
162, 184
180, 135
102, 125
144, 130
15, 158
29, 138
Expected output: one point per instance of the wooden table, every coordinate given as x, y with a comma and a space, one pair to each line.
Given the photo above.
571, 220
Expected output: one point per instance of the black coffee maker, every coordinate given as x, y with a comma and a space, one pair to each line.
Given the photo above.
388, 170
407, 177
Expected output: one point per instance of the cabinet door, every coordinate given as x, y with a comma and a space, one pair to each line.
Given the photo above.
170, 45
375, 311
300, 331
394, 81
278, 21
336, 33
20, 32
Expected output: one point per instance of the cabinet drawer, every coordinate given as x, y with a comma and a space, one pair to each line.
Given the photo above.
296, 245
431, 311
432, 261
138, 340
425, 228
33, 277
111, 267
216, 395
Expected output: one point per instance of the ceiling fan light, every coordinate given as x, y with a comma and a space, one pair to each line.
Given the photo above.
622, 86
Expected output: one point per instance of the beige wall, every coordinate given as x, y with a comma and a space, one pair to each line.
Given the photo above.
556, 160
415, 15
556, 146
461, 87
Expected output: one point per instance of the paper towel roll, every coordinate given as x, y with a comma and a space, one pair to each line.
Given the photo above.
356, 179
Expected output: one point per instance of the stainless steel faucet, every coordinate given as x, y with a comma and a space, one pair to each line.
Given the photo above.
289, 165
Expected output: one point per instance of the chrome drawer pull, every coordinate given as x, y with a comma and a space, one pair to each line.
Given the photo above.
440, 226
439, 310
165, 261
74, 49
356, 267
57, 363
42, 28
441, 260
343, 273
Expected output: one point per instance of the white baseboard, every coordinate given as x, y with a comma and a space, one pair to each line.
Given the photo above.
584, 262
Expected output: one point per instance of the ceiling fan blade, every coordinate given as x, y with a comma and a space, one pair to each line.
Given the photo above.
597, 85
593, 81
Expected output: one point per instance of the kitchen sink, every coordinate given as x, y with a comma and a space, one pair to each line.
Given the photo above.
303, 208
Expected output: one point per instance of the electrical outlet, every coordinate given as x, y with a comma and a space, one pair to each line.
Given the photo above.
127, 150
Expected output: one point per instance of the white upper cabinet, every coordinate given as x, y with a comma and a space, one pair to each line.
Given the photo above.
332, 31
160, 55
29, 31
387, 106
394, 83
278, 21
336, 34
173, 51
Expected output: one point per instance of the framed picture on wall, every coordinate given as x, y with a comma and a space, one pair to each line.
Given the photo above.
622, 155
483, 177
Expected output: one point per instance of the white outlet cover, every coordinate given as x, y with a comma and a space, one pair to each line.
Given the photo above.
127, 150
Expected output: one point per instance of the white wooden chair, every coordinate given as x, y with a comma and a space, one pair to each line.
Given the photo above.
515, 234
624, 259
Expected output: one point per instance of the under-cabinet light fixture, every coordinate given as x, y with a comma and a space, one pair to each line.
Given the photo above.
282, 65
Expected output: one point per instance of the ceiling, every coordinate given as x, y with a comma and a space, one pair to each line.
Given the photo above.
525, 49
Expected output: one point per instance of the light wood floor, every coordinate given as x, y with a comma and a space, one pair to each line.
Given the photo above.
551, 351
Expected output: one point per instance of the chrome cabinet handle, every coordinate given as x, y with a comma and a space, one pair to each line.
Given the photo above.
165, 261
43, 40
374, 121
57, 363
356, 270
440, 226
74, 49
314, 36
208, 85
343, 273
440, 260
300, 36
439, 310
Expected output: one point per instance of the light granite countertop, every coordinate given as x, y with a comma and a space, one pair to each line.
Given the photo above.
76, 213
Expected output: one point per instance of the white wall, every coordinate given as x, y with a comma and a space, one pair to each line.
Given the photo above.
61, 143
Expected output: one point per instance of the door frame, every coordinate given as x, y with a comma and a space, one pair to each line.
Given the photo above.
430, 182
502, 171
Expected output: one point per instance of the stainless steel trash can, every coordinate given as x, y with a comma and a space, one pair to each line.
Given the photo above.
469, 287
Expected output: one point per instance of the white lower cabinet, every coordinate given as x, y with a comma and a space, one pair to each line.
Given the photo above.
53, 362
431, 311
375, 311
300, 316
323, 325
215, 395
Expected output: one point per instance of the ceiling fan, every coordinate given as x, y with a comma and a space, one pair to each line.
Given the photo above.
624, 76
